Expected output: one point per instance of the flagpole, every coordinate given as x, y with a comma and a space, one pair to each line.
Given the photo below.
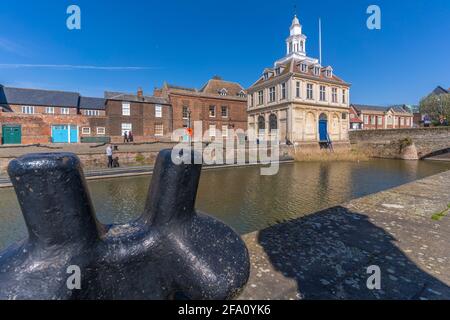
320, 40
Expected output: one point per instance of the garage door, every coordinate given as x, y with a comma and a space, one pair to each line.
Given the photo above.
64, 134
12, 134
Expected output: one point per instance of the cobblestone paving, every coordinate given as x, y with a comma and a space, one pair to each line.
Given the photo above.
326, 255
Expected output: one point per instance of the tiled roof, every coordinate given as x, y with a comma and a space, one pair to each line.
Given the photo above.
364, 107
379, 109
214, 86
36, 97
134, 98
294, 66
92, 103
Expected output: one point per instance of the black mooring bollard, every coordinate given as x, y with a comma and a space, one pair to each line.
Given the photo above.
171, 251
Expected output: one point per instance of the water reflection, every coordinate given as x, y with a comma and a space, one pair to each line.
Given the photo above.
243, 198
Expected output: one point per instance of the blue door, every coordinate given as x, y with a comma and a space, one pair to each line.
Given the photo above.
73, 134
323, 130
60, 134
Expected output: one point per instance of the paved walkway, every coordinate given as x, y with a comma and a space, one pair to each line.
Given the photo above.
81, 148
326, 255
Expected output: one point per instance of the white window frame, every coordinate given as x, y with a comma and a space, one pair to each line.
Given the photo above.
28, 110
224, 131
50, 110
402, 121
65, 111
212, 111
260, 97
187, 112
317, 71
161, 127
126, 127
85, 131
298, 91
310, 91
366, 119
379, 120
304, 67
272, 94
344, 96
334, 94
101, 131
126, 109
212, 130
158, 111
227, 111
283, 91
323, 93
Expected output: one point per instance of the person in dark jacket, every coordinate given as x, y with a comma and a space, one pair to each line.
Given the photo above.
125, 137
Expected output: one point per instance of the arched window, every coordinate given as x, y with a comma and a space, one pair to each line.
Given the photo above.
301, 46
273, 122
261, 123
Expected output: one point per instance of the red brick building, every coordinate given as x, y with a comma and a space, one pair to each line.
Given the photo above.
32, 116
355, 120
378, 118
220, 105
147, 118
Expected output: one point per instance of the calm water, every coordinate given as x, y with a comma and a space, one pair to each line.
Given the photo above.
242, 197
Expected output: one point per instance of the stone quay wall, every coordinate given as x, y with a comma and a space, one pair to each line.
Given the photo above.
408, 144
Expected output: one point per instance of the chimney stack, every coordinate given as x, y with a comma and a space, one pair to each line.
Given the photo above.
140, 93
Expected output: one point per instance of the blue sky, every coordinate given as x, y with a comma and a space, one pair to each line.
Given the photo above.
187, 42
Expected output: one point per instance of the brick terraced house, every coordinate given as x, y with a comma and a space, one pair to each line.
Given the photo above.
379, 118
30, 116
94, 109
148, 118
220, 105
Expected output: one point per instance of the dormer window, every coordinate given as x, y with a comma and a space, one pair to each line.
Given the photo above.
266, 76
241, 94
223, 92
329, 73
304, 67
317, 71
278, 71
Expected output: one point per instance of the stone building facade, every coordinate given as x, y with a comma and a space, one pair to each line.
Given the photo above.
305, 101
220, 106
148, 118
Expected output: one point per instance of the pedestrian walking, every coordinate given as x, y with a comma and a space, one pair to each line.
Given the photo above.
125, 137
130, 137
109, 154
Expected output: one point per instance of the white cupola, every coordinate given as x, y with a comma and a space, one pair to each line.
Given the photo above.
296, 43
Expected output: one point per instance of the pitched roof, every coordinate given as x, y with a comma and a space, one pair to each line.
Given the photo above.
380, 109
214, 86
92, 103
439, 90
133, 98
398, 109
211, 89
364, 107
37, 97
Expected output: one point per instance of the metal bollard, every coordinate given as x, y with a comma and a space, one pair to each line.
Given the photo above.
172, 251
